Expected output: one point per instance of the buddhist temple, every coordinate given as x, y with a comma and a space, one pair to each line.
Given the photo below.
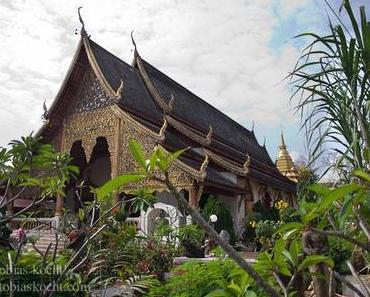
105, 102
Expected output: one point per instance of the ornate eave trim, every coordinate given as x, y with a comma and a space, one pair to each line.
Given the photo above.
98, 72
127, 117
186, 131
149, 84
200, 175
243, 171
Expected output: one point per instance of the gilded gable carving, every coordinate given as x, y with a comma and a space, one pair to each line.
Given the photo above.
90, 95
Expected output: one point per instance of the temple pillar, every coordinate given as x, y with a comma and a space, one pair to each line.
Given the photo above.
195, 192
248, 198
59, 206
114, 149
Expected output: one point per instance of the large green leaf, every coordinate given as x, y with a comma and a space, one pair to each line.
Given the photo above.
115, 184
337, 194
315, 259
138, 153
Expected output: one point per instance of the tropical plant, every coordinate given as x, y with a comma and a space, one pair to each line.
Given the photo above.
332, 81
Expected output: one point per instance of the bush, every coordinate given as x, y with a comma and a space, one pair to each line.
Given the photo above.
191, 233
225, 220
266, 233
195, 279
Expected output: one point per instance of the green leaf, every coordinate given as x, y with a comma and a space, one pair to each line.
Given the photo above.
138, 153
290, 226
362, 175
115, 184
218, 293
319, 189
336, 195
294, 251
250, 294
315, 259
174, 156
235, 288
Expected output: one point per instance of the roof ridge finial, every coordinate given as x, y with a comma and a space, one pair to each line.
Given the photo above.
252, 126
282, 145
136, 53
82, 31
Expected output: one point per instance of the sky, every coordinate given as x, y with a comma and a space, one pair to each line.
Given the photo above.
234, 54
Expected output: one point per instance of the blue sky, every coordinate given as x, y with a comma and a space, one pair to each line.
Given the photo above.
232, 53
313, 16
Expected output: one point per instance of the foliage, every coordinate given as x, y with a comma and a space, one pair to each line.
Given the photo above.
31, 274
263, 213
307, 177
224, 218
266, 233
195, 279
332, 81
191, 233
340, 252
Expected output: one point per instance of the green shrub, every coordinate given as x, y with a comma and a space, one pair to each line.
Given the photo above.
225, 220
195, 279
266, 233
340, 251
191, 233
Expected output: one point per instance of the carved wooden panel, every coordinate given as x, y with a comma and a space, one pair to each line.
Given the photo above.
126, 162
88, 126
89, 96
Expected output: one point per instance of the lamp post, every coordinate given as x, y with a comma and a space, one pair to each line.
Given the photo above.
213, 219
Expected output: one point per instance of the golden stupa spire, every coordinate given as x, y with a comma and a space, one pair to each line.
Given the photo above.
284, 162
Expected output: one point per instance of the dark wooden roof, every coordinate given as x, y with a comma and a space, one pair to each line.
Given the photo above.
230, 140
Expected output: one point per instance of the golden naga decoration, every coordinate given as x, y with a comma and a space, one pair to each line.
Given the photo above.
247, 162
209, 135
228, 165
171, 103
203, 167
119, 90
163, 129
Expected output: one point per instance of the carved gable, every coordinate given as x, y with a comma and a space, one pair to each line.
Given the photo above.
89, 96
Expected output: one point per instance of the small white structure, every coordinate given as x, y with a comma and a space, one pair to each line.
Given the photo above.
160, 210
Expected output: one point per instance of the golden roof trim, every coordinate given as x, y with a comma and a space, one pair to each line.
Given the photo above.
96, 68
200, 175
126, 116
186, 131
229, 166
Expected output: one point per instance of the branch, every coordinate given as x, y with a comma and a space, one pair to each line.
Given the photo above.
281, 284
355, 275
348, 284
340, 235
217, 239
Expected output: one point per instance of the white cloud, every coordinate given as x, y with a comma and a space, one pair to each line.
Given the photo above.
218, 49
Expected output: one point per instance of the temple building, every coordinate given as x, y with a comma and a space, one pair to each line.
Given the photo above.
105, 102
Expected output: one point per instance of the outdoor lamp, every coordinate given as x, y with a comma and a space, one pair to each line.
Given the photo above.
213, 218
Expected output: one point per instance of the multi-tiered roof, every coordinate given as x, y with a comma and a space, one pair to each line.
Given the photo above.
177, 117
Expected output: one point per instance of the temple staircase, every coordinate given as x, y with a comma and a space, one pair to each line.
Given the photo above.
40, 233
43, 239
